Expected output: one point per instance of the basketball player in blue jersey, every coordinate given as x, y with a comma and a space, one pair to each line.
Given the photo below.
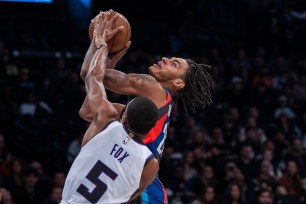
182, 79
114, 165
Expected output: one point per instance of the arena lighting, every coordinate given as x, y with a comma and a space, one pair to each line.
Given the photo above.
29, 1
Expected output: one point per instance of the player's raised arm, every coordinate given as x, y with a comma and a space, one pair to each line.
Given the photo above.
96, 99
104, 20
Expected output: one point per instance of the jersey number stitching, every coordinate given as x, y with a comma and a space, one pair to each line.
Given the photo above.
93, 176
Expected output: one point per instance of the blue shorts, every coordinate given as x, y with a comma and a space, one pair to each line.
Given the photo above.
155, 193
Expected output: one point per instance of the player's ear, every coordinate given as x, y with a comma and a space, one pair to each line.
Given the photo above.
178, 84
124, 120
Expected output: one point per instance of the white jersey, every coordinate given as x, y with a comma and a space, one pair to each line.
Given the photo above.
108, 168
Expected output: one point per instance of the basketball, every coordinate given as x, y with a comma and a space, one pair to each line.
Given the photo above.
118, 42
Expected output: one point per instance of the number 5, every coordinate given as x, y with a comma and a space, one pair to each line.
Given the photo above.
93, 176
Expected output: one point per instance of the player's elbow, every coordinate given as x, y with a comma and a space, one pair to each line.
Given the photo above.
83, 73
99, 116
86, 115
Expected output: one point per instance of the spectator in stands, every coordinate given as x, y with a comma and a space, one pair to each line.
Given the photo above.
246, 161
188, 162
233, 195
14, 178
265, 177
265, 197
44, 181
291, 183
207, 196
59, 178
284, 109
28, 192
199, 182
268, 156
6, 197
55, 196
298, 154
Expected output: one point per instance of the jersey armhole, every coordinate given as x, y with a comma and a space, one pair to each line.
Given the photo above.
107, 124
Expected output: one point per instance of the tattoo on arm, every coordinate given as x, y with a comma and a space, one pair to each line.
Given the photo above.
114, 76
118, 78
141, 80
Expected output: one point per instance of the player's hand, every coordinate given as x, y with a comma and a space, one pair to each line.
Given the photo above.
114, 58
103, 23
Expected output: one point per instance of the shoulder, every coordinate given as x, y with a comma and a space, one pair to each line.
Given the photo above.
153, 165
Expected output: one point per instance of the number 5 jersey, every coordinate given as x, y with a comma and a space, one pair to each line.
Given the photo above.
108, 168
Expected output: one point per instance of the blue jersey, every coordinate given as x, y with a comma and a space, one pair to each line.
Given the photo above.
155, 139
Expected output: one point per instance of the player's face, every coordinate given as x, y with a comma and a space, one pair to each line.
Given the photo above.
169, 69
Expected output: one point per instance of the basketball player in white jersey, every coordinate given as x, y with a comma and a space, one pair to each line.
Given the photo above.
113, 166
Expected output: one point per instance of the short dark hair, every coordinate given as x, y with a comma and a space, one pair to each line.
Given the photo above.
265, 190
141, 115
30, 171
198, 86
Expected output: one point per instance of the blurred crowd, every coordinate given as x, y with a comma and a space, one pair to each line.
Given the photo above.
248, 147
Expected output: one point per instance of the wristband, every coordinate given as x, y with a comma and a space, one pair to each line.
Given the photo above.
101, 46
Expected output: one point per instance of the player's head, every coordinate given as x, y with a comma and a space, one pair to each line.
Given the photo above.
187, 79
140, 115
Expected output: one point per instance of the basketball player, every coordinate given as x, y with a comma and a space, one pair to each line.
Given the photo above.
175, 77
113, 166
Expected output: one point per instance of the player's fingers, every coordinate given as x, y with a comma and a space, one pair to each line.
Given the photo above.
103, 16
98, 16
113, 19
107, 16
105, 34
126, 47
95, 19
118, 29
128, 44
113, 32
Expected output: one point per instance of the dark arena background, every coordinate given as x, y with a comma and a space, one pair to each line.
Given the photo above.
247, 147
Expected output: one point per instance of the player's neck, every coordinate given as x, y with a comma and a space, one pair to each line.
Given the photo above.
169, 88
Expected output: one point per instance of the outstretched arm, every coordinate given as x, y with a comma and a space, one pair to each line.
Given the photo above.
104, 20
102, 109
130, 84
134, 84
96, 99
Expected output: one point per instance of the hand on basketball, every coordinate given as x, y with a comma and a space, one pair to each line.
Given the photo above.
114, 58
103, 26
